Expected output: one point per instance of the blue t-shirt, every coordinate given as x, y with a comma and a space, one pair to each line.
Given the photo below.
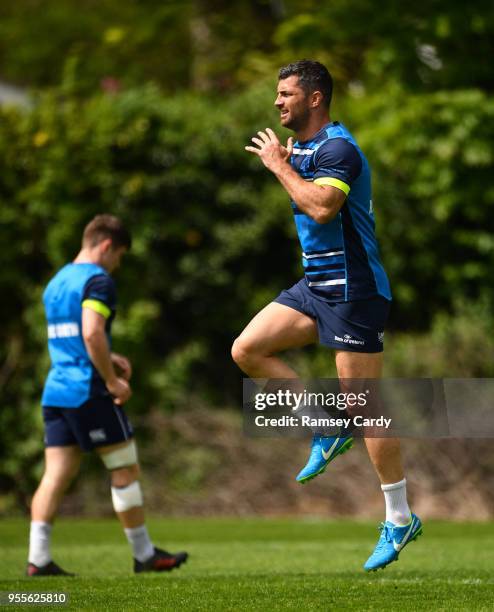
73, 379
340, 258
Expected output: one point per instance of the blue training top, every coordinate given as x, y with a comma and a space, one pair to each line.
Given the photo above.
340, 258
73, 379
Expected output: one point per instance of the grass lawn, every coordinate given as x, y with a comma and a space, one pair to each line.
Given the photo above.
260, 564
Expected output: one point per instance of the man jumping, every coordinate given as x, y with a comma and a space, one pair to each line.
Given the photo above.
83, 399
344, 298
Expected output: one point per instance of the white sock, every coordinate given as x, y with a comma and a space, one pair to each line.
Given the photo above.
395, 496
138, 538
39, 543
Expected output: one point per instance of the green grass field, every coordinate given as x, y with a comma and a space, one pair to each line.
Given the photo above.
256, 564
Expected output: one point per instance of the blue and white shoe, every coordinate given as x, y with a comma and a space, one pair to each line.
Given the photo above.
392, 541
323, 451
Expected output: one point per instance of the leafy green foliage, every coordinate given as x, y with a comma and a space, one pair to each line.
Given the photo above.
111, 44
201, 211
432, 157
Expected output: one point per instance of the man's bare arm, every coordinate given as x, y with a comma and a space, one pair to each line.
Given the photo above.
96, 342
321, 203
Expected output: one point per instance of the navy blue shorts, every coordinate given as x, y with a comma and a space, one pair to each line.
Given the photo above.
356, 326
98, 422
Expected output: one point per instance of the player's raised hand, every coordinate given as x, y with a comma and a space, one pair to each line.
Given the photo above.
120, 389
272, 153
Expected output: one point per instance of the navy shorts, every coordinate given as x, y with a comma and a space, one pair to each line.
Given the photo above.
98, 422
356, 326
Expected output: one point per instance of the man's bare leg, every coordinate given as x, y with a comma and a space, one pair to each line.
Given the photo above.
384, 453
128, 503
129, 507
62, 464
274, 329
401, 525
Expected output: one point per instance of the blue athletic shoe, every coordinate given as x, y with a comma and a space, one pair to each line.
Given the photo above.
392, 541
323, 451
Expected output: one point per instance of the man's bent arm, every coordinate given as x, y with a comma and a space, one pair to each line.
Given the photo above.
96, 342
321, 203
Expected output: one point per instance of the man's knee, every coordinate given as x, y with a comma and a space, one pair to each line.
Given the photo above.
237, 351
126, 492
243, 351
58, 480
123, 477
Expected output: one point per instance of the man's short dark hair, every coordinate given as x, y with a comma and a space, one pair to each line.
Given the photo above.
312, 76
106, 226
